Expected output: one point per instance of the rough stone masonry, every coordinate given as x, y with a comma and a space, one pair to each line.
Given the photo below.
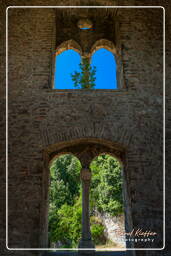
44, 122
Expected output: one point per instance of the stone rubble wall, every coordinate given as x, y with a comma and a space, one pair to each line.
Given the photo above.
114, 228
40, 117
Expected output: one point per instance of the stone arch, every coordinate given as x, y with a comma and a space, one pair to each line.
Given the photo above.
85, 149
80, 147
103, 43
121, 162
68, 45
61, 154
91, 131
110, 46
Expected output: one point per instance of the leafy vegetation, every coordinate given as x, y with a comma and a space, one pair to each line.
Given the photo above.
106, 185
65, 198
97, 230
64, 181
65, 201
86, 78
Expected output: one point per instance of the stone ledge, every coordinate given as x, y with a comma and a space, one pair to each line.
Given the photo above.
75, 253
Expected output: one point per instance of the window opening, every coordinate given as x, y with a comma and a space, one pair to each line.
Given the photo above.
66, 63
64, 216
106, 203
84, 24
102, 70
105, 64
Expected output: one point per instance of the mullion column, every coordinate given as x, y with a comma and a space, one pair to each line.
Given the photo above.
86, 241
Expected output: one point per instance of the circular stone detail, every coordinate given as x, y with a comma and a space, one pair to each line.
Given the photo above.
84, 24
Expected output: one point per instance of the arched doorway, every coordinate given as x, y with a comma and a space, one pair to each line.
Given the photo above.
85, 149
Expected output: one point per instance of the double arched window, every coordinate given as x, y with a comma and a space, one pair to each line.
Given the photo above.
67, 61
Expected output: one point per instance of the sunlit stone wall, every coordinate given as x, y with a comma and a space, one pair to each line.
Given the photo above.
39, 116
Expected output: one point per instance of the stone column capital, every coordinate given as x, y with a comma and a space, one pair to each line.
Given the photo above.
85, 175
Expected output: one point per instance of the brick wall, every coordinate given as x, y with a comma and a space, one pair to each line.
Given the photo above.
40, 117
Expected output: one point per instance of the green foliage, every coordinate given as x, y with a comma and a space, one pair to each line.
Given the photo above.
66, 225
64, 201
86, 78
106, 185
65, 198
97, 230
64, 181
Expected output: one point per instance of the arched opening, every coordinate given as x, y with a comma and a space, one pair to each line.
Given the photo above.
85, 24
64, 213
99, 68
66, 63
106, 67
106, 202
65, 202
86, 150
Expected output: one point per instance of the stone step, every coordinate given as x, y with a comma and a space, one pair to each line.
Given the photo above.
75, 253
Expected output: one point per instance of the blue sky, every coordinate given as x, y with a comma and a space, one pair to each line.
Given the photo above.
68, 62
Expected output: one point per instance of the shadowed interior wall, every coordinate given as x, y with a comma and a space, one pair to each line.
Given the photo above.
40, 117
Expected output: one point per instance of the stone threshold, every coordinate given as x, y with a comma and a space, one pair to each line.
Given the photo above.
75, 253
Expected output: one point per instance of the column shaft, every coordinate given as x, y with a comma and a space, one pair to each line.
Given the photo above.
85, 241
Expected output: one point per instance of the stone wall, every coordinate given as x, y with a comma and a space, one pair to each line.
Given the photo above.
40, 116
114, 228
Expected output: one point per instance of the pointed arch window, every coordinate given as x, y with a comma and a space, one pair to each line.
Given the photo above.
66, 63
105, 64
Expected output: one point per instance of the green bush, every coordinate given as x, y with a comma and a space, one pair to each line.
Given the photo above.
86, 78
64, 181
106, 185
65, 225
97, 231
